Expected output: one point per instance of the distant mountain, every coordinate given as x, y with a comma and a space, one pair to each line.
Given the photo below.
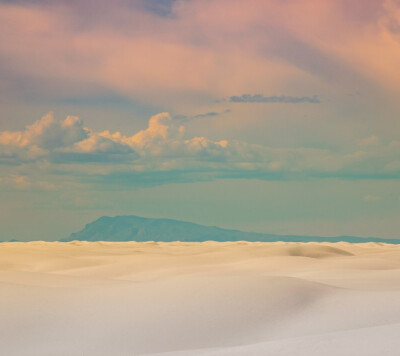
136, 228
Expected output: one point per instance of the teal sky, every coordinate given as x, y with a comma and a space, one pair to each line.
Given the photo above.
270, 116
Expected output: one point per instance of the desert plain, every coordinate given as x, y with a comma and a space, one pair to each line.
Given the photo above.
209, 298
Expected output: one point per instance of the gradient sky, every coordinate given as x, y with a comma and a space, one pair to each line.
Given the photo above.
264, 115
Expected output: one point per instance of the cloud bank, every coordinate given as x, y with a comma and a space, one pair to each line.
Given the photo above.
161, 153
48, 138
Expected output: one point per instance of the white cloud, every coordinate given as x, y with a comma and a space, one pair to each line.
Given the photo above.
162, 147
47, 133
101, 142
161, 137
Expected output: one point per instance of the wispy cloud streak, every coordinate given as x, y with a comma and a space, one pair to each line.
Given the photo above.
258, 98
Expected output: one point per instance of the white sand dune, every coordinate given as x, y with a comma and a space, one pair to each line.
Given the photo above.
210, 298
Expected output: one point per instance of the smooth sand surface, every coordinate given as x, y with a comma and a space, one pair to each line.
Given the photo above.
230, 298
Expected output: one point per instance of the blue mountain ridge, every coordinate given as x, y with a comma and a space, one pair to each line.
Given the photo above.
136, 228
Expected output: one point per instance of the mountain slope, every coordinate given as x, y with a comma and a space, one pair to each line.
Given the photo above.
135, 228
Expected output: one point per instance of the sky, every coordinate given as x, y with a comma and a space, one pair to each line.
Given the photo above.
271, 116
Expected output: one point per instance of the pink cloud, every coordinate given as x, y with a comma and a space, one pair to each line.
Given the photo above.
207, 47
